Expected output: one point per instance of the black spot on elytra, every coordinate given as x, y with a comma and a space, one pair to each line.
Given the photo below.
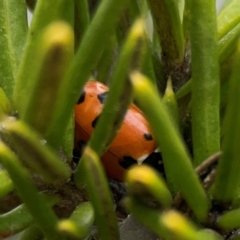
94, 122
127, 161
148, 136
155, 160
82, 97
102, 97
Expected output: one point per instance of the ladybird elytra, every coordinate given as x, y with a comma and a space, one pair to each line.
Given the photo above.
134, 141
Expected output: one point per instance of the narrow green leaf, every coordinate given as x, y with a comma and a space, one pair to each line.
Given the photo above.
178, 226
205, 80
35, 203
32, 233
5, 106
113, 112
226, 3
33, 151
88, 54
45, 13
228, 18
143, 181
82, 20
170, 102
55, 50
99, 193
228, 179
149, 217
80, 222
228, 43
209, 234
107, 61
6, 183
18, 219
176, 163
230, 220
13, 29
169, 28
168, 225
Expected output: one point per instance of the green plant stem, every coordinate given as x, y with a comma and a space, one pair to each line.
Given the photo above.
209, 234
80, 222
6, 183
169, 28
55, 50
228, 43
5, 106
99, 193
18, 219
32, 233
36, 204
112, 113
82, 20
228, 18
205, 80
38, 155
178, 226
143, 181
146, 215
230, 219
45, 13
167, 225
227, 178
13, 28
107, 61
226, 46
169, 99
177, 163
88, 54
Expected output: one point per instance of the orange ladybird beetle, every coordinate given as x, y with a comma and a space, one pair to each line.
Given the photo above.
134, 142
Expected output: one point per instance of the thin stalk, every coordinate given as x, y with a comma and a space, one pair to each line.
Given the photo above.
42, 214
88, 54
178, 226
13, 28
228, 179
5, 106
55, 51
228, 43
6, 183
205, 80
45, 13
167, 225
99, 194
167, 20
230, 219
82, 20
128, 60
107, 62
80, 222
146, 215
143, 181
170, 102
31, 233
228, 18
177, 163
33, 151
18, 219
